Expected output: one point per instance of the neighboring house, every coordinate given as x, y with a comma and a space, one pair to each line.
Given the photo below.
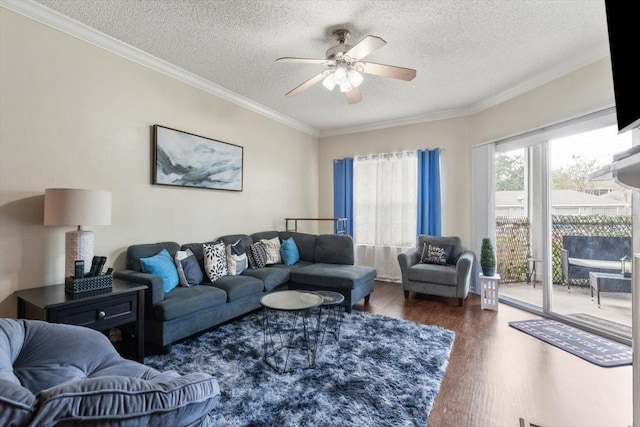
566, 202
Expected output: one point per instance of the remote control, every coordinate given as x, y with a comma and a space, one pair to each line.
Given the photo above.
95, 262
79, 269
101, 263
109, 271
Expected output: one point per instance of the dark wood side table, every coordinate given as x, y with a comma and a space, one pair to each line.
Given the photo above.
102, 310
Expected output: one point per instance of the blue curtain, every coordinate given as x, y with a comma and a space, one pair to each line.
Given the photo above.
343, 191
429, 201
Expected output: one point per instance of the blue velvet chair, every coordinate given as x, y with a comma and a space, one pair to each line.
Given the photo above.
64, 375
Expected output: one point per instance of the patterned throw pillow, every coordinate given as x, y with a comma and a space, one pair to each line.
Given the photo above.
215, 260
189, 270
236, 259
452, 242
272, 247
432, 254
257, 255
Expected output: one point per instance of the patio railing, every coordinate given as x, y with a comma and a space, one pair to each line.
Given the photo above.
513, 247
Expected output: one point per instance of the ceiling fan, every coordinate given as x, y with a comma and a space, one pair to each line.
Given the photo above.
346, 65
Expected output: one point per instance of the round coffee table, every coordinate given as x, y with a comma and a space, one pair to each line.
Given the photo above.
290, 335
291, 300
332, 304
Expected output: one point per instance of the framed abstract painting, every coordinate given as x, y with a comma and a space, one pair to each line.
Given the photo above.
183, 159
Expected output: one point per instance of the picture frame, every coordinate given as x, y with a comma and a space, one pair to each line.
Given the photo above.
184, 159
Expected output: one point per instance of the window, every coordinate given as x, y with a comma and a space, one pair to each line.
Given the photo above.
385, 209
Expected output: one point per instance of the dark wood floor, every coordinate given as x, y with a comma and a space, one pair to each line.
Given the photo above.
497, 374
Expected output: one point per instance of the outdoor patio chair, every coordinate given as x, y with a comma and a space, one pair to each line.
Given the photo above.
584, 254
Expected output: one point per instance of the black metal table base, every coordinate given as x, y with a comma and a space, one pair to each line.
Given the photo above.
332, 322
291, 339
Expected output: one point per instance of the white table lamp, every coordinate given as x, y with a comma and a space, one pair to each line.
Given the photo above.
72, 206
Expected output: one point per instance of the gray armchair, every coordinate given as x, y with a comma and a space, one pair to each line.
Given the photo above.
447, 272
65, 375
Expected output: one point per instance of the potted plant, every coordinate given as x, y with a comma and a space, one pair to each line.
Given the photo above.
487, 258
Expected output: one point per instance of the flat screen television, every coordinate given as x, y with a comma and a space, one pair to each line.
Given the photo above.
625, 64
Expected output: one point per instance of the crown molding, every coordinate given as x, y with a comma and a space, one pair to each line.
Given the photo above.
51, 18
422, 118
599, 52
60, 22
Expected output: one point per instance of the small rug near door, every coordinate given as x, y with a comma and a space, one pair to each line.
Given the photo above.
615, 327
588, 346
383, 372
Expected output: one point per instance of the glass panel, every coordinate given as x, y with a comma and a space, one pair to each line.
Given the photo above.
518, 225
591, 232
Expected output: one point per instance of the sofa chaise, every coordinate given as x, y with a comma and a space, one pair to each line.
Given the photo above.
325, 263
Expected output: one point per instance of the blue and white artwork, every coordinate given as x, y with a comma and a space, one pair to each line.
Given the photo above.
188, 160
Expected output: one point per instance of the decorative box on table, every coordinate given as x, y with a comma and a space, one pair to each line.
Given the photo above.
74, 285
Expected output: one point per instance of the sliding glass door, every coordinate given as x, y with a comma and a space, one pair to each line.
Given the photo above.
591, 231
560, 236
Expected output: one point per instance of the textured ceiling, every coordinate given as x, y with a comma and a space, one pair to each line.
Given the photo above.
468, 54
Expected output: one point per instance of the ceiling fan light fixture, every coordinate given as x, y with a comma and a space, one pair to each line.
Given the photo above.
355, 78
340, 74
345, 67
345, 87
329, 82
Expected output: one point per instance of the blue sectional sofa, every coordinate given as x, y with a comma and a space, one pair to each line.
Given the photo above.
326, 263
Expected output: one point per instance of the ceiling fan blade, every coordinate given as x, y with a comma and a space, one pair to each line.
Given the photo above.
388, 71
354, 96
313, 80
364, 47
304, 60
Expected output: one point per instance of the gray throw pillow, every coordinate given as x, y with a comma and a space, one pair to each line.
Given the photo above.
192, 271
189, 270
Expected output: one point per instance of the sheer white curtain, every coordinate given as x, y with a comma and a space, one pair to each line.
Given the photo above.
385, 209
483, 218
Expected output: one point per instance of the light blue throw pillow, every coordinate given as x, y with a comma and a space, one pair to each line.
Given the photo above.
161, 264
289, 251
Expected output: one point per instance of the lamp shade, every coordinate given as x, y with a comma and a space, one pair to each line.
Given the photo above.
77, 207
73, 206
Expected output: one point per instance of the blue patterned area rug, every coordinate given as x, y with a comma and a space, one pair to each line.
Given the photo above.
381, 372
590, 347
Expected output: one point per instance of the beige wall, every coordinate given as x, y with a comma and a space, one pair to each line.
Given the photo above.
73, 115
577, 93
585, 90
